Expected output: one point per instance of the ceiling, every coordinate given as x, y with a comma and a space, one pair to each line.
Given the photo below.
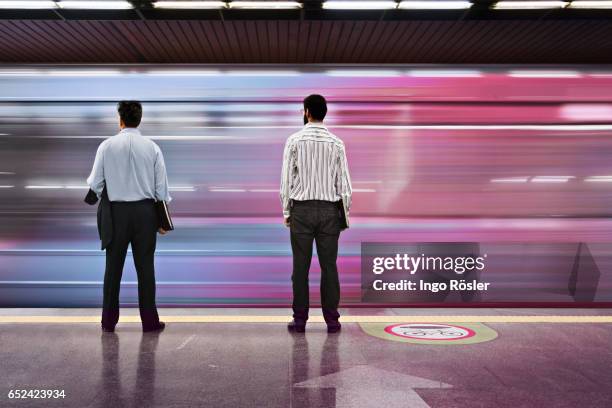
478, 36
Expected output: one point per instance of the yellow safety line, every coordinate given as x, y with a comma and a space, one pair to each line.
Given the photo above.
318, 319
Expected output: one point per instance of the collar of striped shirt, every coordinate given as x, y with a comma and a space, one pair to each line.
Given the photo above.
319, 125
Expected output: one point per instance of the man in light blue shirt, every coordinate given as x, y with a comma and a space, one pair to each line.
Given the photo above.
132, 170
131, 167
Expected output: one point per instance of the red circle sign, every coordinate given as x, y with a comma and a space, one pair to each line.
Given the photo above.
430, 331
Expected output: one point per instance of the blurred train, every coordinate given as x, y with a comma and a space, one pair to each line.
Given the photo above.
437, 154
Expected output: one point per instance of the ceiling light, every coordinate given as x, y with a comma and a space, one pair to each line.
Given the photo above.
363, 73
544, 74
190, 4
435, 5
590, 4
265, 5
262, 73
79, 73
518, 5
182, 72
96, 5
28, 4
359, 5
445, 73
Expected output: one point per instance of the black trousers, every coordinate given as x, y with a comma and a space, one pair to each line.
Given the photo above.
317, 221
134, 223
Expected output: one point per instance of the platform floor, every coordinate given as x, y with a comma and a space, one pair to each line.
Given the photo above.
536, 358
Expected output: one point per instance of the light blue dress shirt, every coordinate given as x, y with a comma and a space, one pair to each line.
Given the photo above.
131, 167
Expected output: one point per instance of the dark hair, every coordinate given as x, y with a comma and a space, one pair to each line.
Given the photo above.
316, 106
130, 112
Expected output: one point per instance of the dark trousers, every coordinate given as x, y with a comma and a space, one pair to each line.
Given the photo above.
317, 221
134, 223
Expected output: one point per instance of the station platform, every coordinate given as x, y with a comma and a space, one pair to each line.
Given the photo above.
246, 358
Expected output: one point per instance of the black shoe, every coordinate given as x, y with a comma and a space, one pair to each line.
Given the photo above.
157, 328
297, 327
108, 329
334, 327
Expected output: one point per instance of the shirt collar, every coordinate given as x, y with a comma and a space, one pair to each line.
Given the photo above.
315, 125
129, 130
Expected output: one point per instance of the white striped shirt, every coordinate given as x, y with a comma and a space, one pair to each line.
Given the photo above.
314, 168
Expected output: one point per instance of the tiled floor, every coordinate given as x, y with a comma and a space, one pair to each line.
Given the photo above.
262, 365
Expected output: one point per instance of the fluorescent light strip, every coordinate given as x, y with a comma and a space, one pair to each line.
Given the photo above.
85, 72
60, 72
95, 5
362, 73
28, 4
364, 190
444, 73
265, 5
544, 74
434, 5
262, 73
6, 173
77, 187
529, 5
177, 72
359, 5
590, 4
190, 4
510, 180
4, 186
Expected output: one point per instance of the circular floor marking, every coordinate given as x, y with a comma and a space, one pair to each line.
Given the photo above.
440, 334
430, 331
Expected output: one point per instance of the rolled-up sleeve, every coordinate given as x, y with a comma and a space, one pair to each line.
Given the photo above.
343, 178
161, 177
96, 181
286, 176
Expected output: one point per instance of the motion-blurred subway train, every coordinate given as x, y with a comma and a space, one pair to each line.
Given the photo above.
484, 155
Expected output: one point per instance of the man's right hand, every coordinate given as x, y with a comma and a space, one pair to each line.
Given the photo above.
162, 231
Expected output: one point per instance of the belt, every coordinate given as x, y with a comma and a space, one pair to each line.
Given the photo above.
315, 203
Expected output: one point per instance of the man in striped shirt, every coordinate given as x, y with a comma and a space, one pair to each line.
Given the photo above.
315, 181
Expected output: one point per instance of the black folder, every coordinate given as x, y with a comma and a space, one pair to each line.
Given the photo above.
344, 217
163, 216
